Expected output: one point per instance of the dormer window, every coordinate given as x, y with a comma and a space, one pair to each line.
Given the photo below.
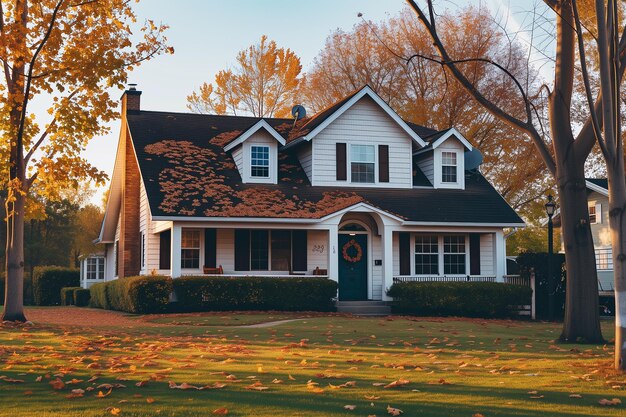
260, 161
448, 167
363, 163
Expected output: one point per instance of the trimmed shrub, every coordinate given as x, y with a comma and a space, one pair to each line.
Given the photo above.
48, 281
67, 296
538, 262
98, 296
255, 293
465, 299
142, 294
81, 297
28, 288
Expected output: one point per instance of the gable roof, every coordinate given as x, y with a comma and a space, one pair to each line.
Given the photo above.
261, 124
316, 124
599, 185
188, 174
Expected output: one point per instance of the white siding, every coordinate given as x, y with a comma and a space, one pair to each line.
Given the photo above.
225, 252
377, 271
486, 254
305, 155
151, 250
317, 250
364, 123
109, 267
600, 231
427, 166
238, 157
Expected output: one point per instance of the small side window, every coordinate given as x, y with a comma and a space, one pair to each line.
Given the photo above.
260, 161
448, 167
593, 218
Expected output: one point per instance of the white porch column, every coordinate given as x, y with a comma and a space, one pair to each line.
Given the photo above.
387, 260
175, 247
499, 255
333, 259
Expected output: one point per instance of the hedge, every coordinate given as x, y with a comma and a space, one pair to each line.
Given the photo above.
538, 262
81, 297
465, 299
28, 288
255, 293
142, 294
48, 281
67, 296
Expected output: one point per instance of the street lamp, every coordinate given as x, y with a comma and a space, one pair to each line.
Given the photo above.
550, 208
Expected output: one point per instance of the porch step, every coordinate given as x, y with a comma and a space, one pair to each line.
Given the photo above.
364, 308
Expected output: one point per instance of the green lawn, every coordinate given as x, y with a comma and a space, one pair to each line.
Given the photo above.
453, 368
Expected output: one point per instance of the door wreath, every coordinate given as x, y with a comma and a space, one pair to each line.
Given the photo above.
352, 244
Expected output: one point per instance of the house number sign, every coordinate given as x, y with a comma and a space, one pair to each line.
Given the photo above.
318, 248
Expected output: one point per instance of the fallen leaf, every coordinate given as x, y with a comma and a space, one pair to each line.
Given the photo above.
57, 384
614, 401
394, 411
222, 411
575, 396
115, 411
349, 407
101, 394
150, 400
398, 383
372, 397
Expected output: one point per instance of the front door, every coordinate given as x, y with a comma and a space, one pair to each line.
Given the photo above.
352, 267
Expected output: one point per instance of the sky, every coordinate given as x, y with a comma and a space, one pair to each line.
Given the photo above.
207, 34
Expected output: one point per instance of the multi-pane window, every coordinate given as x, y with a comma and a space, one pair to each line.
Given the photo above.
281, 250
259, 253
448, 167
604, 258
454, 255
426, 255
260, 161
190, 249
593, 217
363, 162
94, 268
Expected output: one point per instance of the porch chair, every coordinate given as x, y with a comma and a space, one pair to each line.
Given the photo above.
213, 271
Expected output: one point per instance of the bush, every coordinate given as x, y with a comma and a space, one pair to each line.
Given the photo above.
67, 296
255, 293
28, 288
142, 294
81, 297
98, 296
466, 299
48, 281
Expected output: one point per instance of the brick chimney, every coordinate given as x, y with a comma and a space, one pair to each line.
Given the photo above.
129, 243
131, 99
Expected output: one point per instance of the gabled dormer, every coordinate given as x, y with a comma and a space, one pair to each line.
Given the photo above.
255, 153
443, 160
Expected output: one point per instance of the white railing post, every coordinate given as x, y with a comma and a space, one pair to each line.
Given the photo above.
533, 302
175, 248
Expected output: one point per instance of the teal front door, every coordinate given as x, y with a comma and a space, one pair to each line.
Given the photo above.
352, 267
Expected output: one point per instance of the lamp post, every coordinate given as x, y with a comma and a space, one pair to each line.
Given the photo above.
550, 208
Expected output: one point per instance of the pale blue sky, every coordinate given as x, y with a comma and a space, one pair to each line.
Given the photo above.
207, 34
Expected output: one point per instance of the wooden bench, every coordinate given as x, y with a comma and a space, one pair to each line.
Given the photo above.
318, 271
213, 271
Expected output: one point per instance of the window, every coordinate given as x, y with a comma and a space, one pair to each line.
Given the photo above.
426, 255
190, 249
593, 218
454, 255
604, 258
448, 167
95, 268
281, 250
259, 253
260, 161
363, 161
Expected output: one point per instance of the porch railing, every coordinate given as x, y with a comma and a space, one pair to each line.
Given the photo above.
517, 280
445, 278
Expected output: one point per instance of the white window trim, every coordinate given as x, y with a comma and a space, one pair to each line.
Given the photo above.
455, 165
349, 167
440, 253
201, 249
247, 164
269, 161
438, 169
598, 211
97, 271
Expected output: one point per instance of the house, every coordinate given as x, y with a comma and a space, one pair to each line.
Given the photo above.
598, 204
353, 193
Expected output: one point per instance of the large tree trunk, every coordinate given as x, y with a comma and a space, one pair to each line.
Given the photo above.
581, 323
14, 284
617, 223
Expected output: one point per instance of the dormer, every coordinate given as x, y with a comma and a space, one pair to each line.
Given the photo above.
443, 160
255, 153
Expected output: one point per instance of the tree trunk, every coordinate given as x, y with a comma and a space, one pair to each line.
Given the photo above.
14, 284
581, 323
617, 224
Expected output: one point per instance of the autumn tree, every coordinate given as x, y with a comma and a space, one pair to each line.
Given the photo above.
563, 151
425, 92
87, 224
264, 83
66, 54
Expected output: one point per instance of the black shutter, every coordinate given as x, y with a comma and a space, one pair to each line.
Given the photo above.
210, 248
474, 245
405, 253
342, 163
242, 250
165, 242
383, 163
299, 250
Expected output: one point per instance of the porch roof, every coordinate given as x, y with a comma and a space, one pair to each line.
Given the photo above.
187, 173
